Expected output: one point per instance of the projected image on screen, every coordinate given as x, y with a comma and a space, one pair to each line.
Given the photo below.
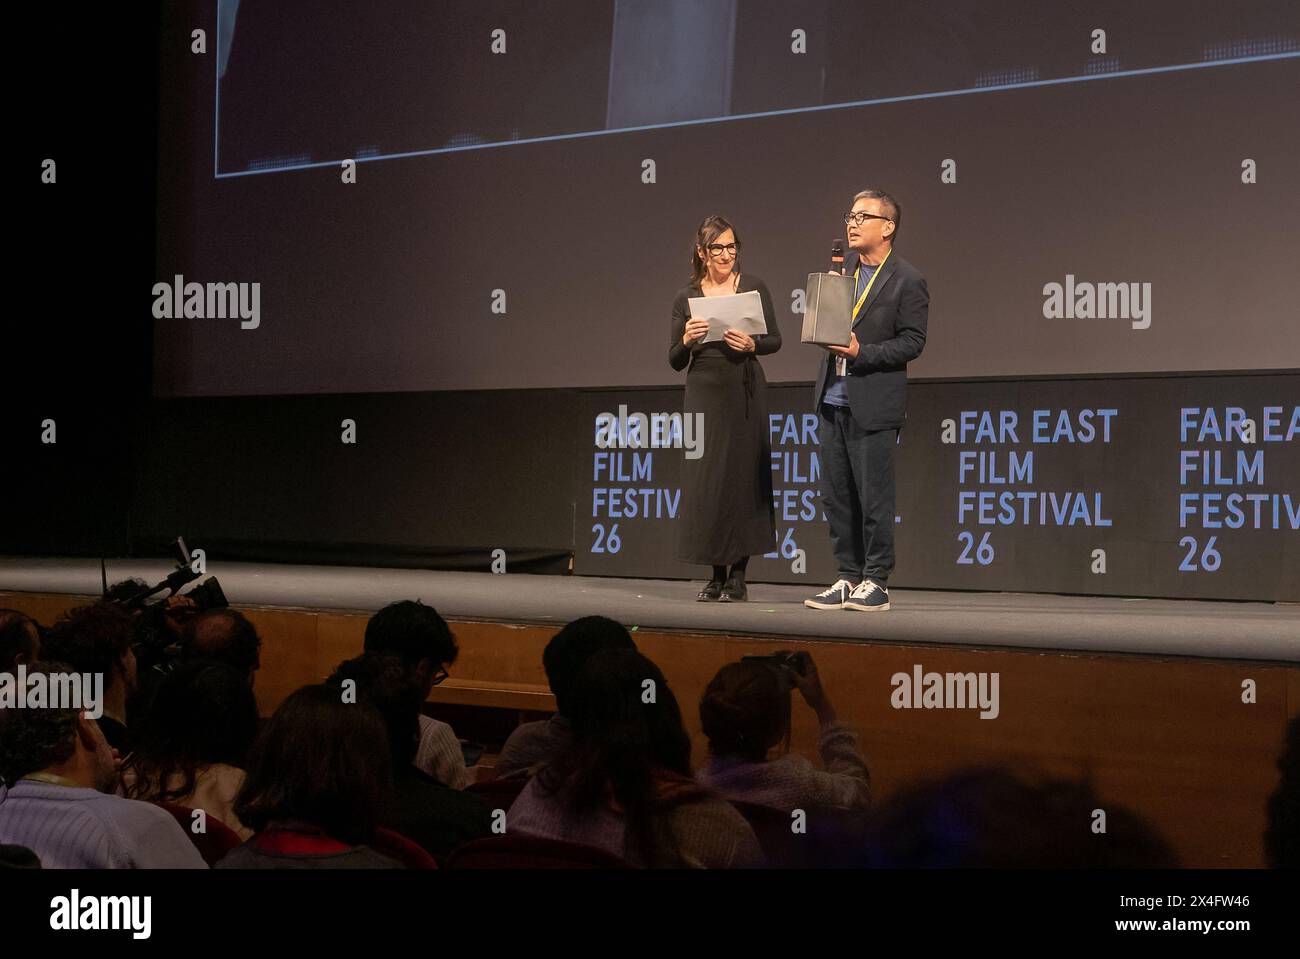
1103, 193
300, 85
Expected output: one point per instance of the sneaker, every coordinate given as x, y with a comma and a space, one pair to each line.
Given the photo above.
868, 597
712, 590
734, 591
832, 598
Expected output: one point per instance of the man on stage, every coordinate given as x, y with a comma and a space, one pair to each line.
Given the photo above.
861, 396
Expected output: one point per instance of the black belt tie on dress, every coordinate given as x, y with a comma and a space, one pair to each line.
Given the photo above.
748, 377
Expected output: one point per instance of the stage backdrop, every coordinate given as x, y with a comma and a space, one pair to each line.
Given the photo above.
1151, 486
1184, 487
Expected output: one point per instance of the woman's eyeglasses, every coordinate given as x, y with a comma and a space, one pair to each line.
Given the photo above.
717, 249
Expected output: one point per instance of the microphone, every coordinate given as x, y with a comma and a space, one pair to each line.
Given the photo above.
837, 257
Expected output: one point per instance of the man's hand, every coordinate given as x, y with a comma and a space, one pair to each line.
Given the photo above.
849, 352
177, 612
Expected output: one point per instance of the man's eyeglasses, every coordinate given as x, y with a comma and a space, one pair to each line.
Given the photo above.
857, 219
717, 249
440, 676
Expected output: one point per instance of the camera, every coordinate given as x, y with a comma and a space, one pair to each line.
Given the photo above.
158, 627
785, 663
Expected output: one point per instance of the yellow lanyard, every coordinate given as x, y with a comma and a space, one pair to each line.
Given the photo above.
870, 283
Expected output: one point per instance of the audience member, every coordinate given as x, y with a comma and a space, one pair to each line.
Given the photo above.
745, 713
533, 744
98, 639
1282, 838
435, 816
191, 747
58, 772
20, 640
417, 635
989, 818
225, 636
315, 787
624, 785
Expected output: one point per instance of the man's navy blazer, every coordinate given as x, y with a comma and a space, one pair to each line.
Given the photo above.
891, 333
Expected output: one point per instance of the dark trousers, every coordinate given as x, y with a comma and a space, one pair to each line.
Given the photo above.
857, 480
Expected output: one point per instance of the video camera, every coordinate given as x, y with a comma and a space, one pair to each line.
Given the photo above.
158, 626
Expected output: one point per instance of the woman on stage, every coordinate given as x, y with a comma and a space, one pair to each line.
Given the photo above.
727, 513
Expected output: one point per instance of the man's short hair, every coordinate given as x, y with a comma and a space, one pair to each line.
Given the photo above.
570, 648
122, 591
91, 639
36, 739
892, 208
412, 631
225, 636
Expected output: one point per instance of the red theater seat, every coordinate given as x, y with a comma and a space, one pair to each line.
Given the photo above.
405, 851
531, 852
217, 840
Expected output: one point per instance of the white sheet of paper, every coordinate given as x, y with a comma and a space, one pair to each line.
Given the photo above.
738, 311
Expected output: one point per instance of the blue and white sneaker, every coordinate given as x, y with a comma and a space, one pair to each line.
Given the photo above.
868, 597
832, 598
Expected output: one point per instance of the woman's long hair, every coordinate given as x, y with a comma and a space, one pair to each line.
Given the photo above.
319, 761
709, 230
624, 749
203, 713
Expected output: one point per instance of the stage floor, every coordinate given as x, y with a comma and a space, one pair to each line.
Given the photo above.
1219, 630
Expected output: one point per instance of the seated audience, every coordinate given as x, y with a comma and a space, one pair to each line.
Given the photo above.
624, 785
989, 818
191, 747
1282, 838
98, 639
745, 713
417, 635
225, 636
20, 640
315, 787
533, 744
58, 774
422, 809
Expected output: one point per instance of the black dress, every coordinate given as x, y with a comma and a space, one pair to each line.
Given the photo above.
726, 511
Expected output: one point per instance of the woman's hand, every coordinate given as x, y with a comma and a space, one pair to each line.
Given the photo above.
695, 329
738, 341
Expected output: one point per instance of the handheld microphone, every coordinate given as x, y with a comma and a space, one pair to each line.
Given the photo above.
837, 257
